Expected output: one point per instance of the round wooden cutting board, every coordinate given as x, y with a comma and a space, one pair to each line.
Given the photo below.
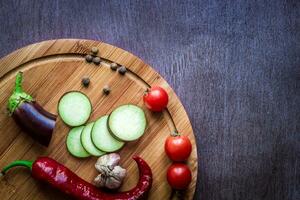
54, 67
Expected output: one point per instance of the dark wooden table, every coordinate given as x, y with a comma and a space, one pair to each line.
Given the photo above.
234, 64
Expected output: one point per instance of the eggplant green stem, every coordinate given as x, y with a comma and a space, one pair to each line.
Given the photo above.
18, 96
17, 163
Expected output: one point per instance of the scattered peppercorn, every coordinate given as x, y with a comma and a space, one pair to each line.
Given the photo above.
94, 50
85, 81
113, 66
89, 58
96, 60
122, 70
106, 89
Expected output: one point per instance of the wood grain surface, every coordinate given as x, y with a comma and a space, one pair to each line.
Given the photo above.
234, 65
52, 68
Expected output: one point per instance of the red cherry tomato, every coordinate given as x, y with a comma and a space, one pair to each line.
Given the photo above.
178, 147
156, 99
179, 176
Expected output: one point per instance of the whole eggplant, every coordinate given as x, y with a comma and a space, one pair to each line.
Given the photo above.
29, 115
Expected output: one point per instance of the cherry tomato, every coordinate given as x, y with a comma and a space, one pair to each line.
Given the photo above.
179, 176
156, 99
178, 147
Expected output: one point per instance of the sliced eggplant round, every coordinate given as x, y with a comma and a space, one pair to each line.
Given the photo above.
74, 108
127, 122
102, 138
86, 141
74, 145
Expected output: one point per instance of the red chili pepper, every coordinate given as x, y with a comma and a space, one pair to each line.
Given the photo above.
48, 170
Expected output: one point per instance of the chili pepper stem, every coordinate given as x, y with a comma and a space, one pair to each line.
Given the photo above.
18, 96
17, 163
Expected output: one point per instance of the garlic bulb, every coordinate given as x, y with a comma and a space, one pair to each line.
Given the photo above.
111, 174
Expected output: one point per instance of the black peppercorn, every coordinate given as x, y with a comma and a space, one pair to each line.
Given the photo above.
106, 89
122, 70
89, 58
113, 66
96, 60
85, 81
94, 50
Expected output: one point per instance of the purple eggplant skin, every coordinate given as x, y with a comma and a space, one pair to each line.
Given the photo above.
29, 115
35, 121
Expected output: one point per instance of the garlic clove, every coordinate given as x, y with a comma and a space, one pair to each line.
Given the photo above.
113, 160
108, 160
119, 173
100, 180
112, 183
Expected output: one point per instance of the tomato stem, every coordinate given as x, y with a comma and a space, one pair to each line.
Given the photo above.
177, 195
175, 133
147, 91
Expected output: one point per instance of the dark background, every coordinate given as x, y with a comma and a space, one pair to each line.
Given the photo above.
234, 64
